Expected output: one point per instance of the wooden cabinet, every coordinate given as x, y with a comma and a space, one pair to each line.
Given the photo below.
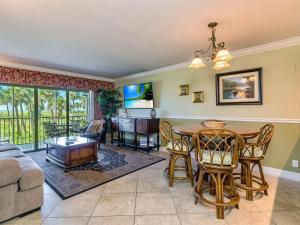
136, 126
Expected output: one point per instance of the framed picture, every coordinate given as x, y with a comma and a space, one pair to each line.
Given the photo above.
198, 97
242, 87
184, 89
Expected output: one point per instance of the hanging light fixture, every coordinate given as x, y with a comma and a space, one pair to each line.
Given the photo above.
220, 55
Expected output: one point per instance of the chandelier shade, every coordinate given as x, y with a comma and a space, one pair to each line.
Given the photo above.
196, 63
219, 65
220, 56
223, 55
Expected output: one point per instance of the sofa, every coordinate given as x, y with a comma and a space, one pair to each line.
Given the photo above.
21, 183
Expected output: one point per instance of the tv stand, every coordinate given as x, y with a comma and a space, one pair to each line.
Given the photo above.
137, 127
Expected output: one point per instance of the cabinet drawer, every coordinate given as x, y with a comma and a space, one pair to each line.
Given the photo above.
142, 126
127, 125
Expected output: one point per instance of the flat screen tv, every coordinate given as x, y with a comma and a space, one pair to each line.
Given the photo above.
138, 96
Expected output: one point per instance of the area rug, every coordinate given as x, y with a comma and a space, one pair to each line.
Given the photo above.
113, 162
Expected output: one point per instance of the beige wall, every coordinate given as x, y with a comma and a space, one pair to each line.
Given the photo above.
281, 99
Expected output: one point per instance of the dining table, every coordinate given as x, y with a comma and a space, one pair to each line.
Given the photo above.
189, 130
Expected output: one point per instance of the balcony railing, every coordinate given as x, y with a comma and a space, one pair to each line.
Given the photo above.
21, 130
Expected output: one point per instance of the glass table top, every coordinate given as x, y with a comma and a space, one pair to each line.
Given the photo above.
69, 141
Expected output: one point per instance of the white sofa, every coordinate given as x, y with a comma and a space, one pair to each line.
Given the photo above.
21, 183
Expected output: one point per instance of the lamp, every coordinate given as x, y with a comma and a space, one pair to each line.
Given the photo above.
197, 62
220, 55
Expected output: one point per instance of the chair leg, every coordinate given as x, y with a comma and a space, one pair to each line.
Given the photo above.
243, 176
219, 196
190, 171
262, 177
232, 188
171, 170
248, 174
199, 184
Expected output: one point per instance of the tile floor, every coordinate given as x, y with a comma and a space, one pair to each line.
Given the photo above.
144, 198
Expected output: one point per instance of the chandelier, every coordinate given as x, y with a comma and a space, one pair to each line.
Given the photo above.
219, 56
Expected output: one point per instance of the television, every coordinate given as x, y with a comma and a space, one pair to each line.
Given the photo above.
138, 96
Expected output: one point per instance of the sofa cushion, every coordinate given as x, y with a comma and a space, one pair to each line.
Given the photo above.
32, 174
11, 154
7, 147
10, 171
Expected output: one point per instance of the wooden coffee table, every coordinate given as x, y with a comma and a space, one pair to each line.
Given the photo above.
68, 152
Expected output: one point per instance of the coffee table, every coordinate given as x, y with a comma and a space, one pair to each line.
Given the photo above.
68, 152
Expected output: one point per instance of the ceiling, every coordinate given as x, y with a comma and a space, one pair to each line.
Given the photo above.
116, 38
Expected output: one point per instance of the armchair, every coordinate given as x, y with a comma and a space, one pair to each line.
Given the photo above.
94, 130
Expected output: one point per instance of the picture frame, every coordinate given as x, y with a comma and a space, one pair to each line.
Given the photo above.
184, 89
198, 97
243, 87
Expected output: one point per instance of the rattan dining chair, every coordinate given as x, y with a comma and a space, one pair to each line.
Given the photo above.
178, 148
217, 162
253, 153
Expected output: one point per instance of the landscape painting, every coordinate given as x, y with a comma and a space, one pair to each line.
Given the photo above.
239, 87
138, 96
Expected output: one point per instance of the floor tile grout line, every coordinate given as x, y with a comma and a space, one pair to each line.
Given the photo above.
96, 204
174, 206
137, 181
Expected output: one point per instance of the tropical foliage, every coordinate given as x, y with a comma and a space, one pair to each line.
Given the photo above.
17, 111
109, 101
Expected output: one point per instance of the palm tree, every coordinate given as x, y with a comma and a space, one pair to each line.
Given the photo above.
6, 98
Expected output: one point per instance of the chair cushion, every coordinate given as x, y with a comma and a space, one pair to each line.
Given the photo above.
7, 147
101, 125
177, 147
206, 157
95, 126
247, 152
32, 175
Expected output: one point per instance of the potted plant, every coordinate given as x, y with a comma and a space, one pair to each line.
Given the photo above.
109, 101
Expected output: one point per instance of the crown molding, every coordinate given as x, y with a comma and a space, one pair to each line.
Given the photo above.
224, 118
238, 53
53, 71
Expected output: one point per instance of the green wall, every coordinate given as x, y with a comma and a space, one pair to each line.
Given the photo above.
281, 100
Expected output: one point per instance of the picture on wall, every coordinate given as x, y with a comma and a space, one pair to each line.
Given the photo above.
239, 87
183, 89
198, 97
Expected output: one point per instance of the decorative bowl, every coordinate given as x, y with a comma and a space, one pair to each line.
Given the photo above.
213, 123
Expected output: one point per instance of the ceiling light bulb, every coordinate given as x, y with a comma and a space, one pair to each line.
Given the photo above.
219, 65
223, 55
197, 63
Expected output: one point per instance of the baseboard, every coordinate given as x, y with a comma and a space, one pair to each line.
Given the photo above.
281, 173
268, 170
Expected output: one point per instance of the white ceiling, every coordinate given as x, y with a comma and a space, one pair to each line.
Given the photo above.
114, 38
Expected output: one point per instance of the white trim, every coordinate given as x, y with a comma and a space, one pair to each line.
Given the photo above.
281, 173
238, 53
238, 119
52, 71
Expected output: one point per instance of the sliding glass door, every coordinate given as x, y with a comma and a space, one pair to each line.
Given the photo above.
17, 116
78, 107
52, 108
25, 110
